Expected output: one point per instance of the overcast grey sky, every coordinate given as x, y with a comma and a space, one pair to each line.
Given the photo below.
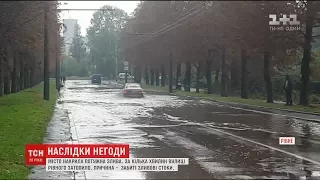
84, 17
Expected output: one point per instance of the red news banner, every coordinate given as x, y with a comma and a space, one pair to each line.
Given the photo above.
36, 154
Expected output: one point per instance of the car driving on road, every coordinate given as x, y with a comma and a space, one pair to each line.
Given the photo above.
96, 79
122, 76
133, 89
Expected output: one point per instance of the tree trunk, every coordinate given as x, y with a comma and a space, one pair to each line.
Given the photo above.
137, 76
7, 83
1, 79
1, 83
163, 76
224, 77
267, 77
157, 77
14, 76
178, 75
152, 76
244, 75
26, 78
39, 77
198, 77
170, 73
18, 71
22, 74
187, 77
234, 76
146, 75
305, 65
208, 71
216, 78
32, 77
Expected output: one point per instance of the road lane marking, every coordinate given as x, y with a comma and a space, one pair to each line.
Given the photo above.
266, 146
201, 154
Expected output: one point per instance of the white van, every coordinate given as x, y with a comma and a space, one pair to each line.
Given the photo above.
123, 75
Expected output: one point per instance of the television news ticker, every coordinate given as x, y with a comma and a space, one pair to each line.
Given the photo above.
95, 157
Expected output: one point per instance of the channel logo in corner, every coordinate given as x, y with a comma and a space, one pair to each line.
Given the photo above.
285, 23
287, 140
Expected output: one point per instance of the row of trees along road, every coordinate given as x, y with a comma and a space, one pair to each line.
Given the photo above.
22, 43
229, 38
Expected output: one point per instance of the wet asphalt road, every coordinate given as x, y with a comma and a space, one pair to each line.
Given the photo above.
221, 142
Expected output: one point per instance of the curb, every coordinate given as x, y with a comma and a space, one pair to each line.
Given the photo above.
260, 108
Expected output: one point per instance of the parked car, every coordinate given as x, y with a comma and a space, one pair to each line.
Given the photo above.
133, 89
96, 79
122, 76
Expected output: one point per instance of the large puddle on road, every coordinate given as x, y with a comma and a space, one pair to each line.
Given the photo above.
100, 114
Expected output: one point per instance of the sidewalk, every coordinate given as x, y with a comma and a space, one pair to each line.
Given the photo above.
59, 130
308, 116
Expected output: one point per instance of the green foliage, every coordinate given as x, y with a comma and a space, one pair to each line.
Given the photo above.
315, 65
103, 38
70, 67
77, 48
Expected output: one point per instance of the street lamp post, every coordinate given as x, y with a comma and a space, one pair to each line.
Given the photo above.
126, 70
58, 86
116, 59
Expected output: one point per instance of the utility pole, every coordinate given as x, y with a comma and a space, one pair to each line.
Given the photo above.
126, 77
116, 60
126, 68
46, 54
58, 86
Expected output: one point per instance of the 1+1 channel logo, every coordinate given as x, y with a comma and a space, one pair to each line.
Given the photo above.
288, 23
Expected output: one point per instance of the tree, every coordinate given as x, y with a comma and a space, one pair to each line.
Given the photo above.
21, 39
312, 18
70, 67
236, 32
103, 38
77, 49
